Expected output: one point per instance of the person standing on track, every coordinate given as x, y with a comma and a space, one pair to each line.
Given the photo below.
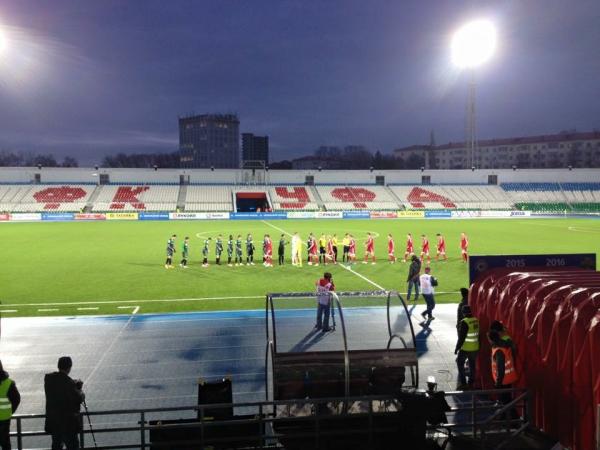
324, 287
428, 284
464, 247
410, 248
9, 402
414, 270
63, 401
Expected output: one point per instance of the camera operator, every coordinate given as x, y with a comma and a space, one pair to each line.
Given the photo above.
63, 399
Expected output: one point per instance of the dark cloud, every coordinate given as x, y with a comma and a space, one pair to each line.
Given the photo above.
90, 78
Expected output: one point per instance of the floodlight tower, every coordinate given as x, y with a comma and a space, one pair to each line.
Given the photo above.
473, 45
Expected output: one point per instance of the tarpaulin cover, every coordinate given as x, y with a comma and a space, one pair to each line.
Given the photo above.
553, 317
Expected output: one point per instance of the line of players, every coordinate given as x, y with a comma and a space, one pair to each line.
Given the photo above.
323, 250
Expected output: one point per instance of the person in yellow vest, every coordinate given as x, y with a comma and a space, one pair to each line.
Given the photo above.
9, 402
504, 372
322, 249
346, 244
335, 243
467, 347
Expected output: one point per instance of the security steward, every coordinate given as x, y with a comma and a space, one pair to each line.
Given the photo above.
9, 402
467, 347
63, 399
504, 372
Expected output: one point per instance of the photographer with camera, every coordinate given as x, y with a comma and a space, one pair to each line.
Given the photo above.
64, 397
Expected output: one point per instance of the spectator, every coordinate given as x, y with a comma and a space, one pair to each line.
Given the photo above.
467, 347
324, 287
504, 372
9, 402
63, 399
413, 277
428, 283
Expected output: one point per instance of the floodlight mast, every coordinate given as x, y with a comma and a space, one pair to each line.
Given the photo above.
472, 45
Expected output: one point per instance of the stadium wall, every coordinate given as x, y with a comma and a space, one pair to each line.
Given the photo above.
288, 177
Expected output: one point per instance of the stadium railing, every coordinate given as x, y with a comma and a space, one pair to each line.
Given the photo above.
475, 416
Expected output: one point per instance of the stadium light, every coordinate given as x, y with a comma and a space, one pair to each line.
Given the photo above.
473, 44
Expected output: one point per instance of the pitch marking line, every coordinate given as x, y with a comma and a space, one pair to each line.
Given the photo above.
88, 309
109, 348
47, 309
347, 268
9, 310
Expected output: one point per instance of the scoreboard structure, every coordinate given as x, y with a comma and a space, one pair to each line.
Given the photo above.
479, 264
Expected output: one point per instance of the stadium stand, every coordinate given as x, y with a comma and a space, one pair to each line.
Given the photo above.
555, 197
136, 198
451, 197
293, 198
39, 198
208, 198
339, 198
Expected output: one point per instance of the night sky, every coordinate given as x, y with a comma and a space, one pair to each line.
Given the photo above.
88, 78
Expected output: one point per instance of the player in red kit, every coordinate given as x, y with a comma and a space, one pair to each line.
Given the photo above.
313, 252
352, 250
391, 249
369, 249
441, 248
425, 249
464, 247
330, 253
410, 248
268, 248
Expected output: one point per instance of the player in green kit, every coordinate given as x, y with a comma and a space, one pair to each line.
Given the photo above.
170, 251
238, 251
205, 252
219, 249
229, 250
185, 248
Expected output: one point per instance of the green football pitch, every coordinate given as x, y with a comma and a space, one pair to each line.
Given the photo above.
118, 267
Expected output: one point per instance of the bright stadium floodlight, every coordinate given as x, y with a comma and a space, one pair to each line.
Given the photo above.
473, 44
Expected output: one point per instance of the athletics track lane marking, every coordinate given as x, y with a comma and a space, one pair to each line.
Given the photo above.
349, 269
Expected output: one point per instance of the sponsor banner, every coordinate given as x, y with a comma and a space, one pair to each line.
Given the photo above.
496, 214
384, 215
356, 215
258, 216
520, 213
4, 217
153, 216
438, 214
329, 215
479, 265
465, 214
26, 216
122, 216
411, 214
58, 216
198, 216
90, 216
301, 215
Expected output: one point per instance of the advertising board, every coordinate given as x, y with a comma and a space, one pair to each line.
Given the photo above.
384, 215
25, 216
438, 214
122, 216
301, 215
356, 215
90, 216
58, 216
329, 215
411, 214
